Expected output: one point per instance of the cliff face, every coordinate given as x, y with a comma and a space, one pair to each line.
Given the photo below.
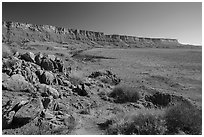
22, 32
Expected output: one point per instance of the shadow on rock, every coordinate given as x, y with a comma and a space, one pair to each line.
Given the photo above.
18, 122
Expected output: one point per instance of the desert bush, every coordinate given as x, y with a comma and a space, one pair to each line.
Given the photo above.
123, 94
144, 122
76, 77
184, 117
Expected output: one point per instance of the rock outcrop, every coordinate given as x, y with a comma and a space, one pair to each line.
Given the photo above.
105, 76
29, 56
23, 32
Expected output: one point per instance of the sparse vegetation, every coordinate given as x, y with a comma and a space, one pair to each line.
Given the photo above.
180, 118
144, 122
184, 117
123, 94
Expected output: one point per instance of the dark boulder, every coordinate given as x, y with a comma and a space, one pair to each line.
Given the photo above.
47, 64
28, 56
8, 112
80, 90
47, 78
60, 65
38, 58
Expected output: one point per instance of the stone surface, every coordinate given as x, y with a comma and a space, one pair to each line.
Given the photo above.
47, 91
28, 56
17, 83
47, 78
80, 90
47, 64
38, 58
4, 77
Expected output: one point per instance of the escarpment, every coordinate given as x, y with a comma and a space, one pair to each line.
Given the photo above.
23, 32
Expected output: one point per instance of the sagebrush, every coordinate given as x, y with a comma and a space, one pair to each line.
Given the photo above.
184, 117
145, 122
123, 94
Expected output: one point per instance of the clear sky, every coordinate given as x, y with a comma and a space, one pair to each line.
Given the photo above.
169, 20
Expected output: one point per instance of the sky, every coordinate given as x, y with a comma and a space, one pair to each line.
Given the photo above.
182, 21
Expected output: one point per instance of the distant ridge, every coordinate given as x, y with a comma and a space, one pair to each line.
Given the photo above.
24, 32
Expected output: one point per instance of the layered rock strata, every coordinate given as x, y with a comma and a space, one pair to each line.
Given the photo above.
23, 32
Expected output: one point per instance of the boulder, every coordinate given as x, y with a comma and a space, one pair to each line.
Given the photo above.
45, 102
80, 90
39, 73
9, 111
34, 67
28, 56
30, 76
38, 58
4, 77
51, 57
60, 65
17, 83
47, 91
47, 64
47, 78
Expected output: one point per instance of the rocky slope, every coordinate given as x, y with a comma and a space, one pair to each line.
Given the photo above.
44, 94
23, 32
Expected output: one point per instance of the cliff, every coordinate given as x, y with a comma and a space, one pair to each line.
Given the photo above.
23, 32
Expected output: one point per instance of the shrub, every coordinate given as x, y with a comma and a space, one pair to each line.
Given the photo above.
145, 122
123, 94
184, 117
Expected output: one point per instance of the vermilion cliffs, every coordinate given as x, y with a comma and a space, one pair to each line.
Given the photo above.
22, 32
